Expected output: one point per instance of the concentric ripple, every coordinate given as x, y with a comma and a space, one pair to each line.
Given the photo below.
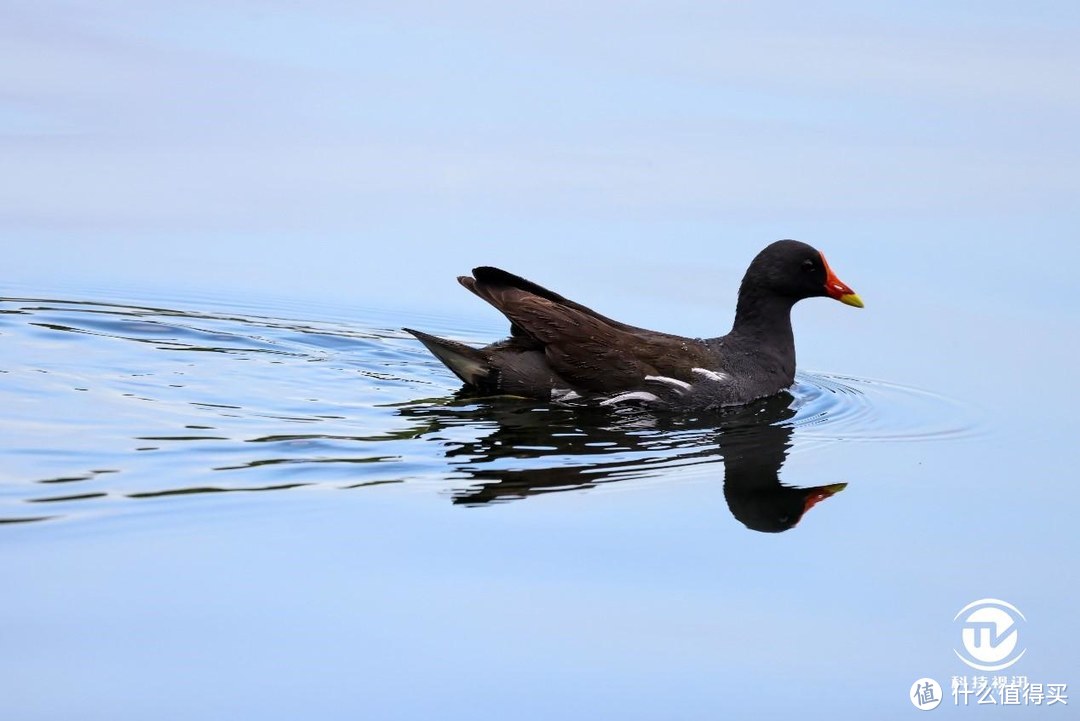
844, 408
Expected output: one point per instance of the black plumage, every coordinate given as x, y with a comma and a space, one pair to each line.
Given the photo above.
561, 350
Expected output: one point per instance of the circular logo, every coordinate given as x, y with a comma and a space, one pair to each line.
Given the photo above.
990, 634
925, 694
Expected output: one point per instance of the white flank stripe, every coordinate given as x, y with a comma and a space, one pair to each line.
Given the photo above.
712, 375
681, 386
631, 396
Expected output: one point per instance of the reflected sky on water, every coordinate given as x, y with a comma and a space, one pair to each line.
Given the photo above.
215, 219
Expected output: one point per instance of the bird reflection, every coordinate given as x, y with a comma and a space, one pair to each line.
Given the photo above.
526, 449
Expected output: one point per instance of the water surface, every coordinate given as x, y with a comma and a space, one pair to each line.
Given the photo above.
232, 488
161, 402
199, 494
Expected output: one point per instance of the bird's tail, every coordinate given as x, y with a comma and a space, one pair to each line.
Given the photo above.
467, 363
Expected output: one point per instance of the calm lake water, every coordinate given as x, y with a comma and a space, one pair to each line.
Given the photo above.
215, 508
232, 488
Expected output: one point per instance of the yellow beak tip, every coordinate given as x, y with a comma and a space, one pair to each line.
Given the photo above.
852, 299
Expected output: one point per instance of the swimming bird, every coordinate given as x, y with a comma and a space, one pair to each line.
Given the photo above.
562, 351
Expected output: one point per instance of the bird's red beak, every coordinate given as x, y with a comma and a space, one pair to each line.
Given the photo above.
821, 493
838, 289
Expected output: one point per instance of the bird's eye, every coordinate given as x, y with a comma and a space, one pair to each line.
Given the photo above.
808, 265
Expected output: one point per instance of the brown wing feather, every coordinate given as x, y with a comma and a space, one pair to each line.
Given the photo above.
487, 277
587, 349
526, 341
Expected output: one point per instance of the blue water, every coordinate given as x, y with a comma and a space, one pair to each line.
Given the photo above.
296, 513
162, 402
231, 487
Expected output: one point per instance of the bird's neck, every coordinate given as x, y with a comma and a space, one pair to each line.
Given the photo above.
763, 321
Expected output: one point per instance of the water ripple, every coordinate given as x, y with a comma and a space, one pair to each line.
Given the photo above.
107, 403
844, 408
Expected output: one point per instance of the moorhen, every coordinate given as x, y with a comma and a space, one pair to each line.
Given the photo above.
560, 350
